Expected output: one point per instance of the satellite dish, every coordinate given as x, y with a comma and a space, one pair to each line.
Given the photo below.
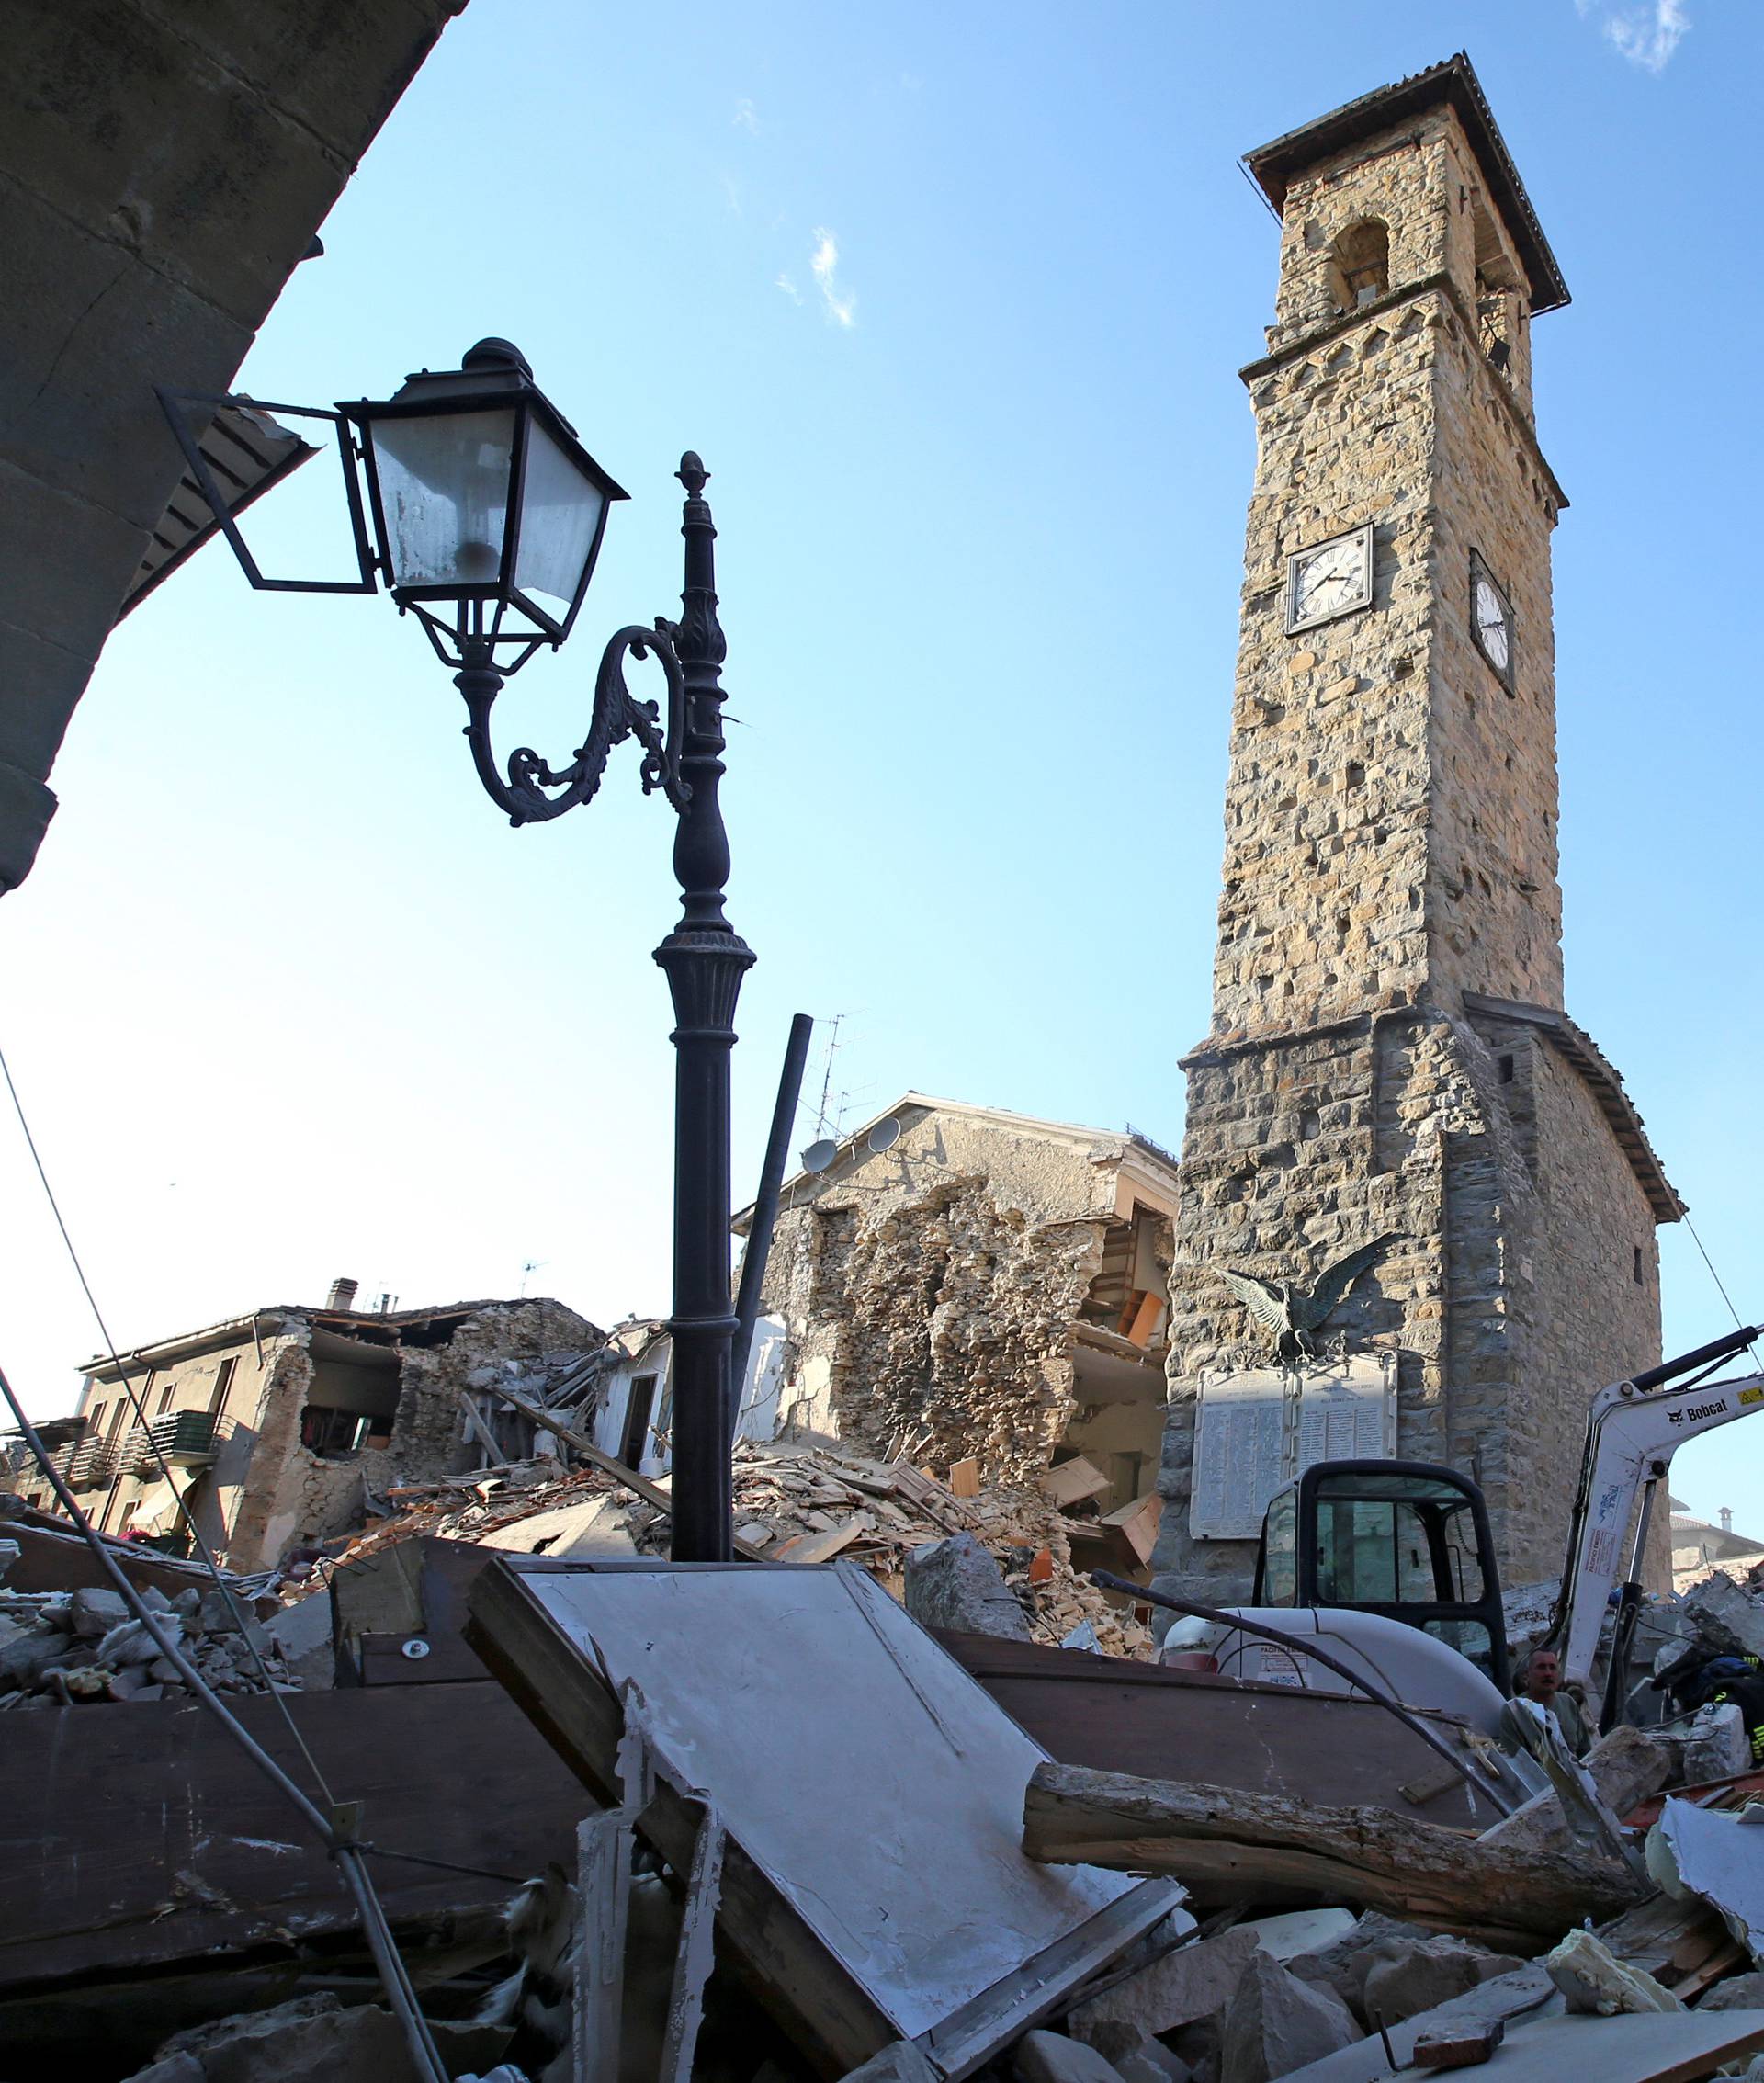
884, 1136
819, 1156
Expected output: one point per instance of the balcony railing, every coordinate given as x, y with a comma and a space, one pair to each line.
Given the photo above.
86, 1463
188, 1439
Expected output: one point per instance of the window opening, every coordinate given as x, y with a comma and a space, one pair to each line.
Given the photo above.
222, 1384
1505, 1070
637, 1420
336, 1436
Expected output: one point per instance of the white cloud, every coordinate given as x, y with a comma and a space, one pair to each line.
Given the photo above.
746, 117
789, 289
1647, 36
823, 265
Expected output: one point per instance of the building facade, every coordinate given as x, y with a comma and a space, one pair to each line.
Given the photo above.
285, 1427
1389, 1064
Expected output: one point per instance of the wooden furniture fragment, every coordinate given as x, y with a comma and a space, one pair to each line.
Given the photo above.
873, 1885
140, 1836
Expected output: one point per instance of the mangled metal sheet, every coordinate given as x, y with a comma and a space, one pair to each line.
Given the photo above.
1717, 1856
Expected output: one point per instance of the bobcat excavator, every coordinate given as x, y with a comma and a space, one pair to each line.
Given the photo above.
1389, 1566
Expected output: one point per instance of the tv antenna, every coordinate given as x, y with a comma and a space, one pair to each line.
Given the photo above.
827, 1078
530, 1266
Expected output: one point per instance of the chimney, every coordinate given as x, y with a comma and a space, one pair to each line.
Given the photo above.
342, 1295
1727, 1517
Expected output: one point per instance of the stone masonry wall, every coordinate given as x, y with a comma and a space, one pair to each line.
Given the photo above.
929, 1292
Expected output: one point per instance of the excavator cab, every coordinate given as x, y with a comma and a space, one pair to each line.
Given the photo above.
1406, 1539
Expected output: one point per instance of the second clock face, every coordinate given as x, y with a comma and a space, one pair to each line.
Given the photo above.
1492, 620
1329, 579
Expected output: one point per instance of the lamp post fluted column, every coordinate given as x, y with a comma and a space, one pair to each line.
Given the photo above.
704, 959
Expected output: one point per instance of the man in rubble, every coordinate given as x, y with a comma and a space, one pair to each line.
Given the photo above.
1538, 1696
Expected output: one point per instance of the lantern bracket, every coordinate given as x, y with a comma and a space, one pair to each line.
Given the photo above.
618, 715
175, 404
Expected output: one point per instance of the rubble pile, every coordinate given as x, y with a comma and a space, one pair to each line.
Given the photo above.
793, 1503
83, 1647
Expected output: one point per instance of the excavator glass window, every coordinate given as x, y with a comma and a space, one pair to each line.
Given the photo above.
1406, 1539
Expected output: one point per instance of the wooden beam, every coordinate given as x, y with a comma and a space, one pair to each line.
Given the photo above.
1268, 1847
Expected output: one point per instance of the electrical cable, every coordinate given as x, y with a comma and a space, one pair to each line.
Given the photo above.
1739, 1322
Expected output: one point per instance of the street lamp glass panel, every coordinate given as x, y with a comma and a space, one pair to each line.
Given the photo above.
443, 489
561, 514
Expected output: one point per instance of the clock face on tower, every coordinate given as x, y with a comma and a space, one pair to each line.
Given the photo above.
1329, 579
1491, 619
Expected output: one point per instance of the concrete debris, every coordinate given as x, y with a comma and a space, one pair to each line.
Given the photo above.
1276, 2023
1593, 1981
315, 2039
900, 2062
1152, 2062
59, 1649
955, 1583
1626, 1767
1410, 1975
1738, 1992
1344, 1962
1051, 2057
1725, 1616
1718, 1745
1193, 1983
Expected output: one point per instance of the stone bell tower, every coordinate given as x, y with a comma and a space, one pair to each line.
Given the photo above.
1389, 1058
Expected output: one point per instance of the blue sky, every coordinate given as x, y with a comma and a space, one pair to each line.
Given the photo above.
952, 301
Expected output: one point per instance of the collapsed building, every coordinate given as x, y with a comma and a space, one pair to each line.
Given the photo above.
286, 1426
954, 1281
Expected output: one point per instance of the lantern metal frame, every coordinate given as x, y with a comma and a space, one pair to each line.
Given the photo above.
501, 381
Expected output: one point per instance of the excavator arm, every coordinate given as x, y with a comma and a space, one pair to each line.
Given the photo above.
1633, 1428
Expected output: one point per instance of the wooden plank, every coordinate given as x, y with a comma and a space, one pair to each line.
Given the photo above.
1071, 1482
964, 1477
1268, 1847
54, 1558
141, 1836
1146, 1317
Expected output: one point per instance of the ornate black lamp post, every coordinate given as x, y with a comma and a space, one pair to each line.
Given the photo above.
487, 515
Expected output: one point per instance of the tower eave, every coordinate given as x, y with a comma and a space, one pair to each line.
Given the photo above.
1276, 165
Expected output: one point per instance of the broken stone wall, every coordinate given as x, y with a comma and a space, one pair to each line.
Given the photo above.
289, 1496
929, 1293
512, 1341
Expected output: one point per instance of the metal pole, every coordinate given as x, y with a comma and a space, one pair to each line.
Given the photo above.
705, 960
1629, 1606
766, 1213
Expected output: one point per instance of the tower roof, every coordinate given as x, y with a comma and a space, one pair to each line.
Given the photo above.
1454, 82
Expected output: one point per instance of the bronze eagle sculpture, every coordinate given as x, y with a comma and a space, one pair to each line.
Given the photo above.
1293, 1312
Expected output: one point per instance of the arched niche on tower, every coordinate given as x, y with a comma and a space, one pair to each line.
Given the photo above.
1360, 263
